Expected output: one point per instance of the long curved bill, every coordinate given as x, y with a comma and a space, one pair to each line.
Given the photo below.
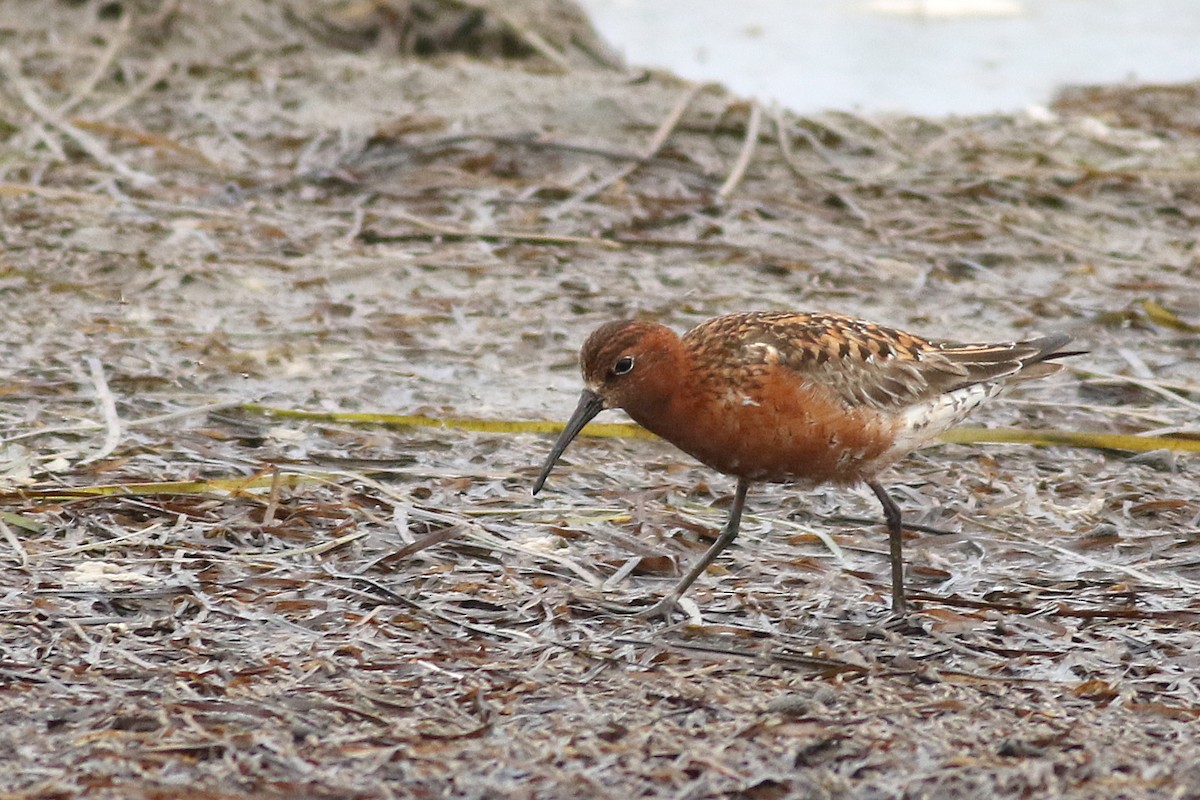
590, 404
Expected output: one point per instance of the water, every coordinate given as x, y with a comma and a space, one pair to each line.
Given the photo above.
958, 57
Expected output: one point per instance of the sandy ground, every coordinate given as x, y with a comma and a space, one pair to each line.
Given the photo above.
424, 209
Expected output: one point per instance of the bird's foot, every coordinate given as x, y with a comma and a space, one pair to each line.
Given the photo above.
903, 621
664, 609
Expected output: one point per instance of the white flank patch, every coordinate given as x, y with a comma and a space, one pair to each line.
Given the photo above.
924, 423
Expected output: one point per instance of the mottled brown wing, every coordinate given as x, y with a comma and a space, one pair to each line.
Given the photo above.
867, 364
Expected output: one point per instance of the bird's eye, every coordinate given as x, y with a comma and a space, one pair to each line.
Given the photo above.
623, 366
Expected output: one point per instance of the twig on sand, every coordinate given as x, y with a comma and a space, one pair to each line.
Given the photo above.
668, 125
514, 236
273, 498
14, 543
11, 71
108, 406
1167, 391
789, 158
156, 73
115, 43
743, 160
535, 41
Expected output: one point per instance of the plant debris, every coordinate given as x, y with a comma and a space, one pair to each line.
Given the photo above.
420, 209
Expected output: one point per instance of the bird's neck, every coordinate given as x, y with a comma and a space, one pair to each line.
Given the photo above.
662, 402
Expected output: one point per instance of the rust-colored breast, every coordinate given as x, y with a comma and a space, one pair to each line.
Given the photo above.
780, 429
744, 409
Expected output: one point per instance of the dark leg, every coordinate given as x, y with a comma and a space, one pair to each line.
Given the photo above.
891, 512
664, 607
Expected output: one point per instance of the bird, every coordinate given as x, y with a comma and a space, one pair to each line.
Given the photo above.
794, 397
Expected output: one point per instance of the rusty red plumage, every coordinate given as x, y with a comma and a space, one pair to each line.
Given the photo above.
795, 397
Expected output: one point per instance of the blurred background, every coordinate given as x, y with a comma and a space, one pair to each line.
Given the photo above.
928, 57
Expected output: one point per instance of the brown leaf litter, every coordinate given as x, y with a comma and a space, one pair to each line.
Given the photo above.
422, 208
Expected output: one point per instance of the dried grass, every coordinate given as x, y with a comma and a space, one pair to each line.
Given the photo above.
205, 209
